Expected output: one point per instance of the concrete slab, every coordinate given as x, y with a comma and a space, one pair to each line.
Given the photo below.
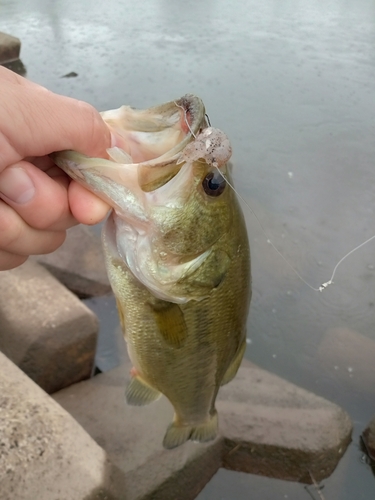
274, 428
79, 263
45, 329
44, 453
10, 48
132, 438
267, 426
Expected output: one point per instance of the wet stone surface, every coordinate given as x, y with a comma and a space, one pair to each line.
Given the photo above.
45, 329
274, 428
10, 48
267, 426
41, 446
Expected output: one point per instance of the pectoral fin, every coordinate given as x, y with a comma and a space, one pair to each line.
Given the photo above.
211, 273
139, 393
235, 364
170, 322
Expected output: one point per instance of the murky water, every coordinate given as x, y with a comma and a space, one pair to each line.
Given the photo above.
291, 83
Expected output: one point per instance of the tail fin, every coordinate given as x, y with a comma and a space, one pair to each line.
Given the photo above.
178, 434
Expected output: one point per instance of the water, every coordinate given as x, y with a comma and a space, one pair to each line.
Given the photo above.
291, 83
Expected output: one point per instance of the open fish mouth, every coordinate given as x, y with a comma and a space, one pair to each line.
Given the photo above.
159, 132
154, 141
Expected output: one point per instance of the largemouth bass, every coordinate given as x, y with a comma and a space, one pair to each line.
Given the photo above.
177, 257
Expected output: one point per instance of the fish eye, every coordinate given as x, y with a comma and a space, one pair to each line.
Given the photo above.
214, 184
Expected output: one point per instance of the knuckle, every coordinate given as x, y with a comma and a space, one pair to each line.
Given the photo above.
50, 208
20, 240
11, 228
47, 221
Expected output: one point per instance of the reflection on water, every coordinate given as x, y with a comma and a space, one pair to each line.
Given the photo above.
291, 83
111, 344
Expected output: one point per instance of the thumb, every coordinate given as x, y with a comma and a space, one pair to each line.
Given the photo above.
83, 129
65, 123
37, 122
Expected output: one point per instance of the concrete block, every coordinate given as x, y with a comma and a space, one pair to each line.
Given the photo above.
274, 428
44, 328
267, 426
44, 453
79, 263
10, 48
132, 437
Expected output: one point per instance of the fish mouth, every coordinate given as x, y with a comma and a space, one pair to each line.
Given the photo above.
160, 132
153, 139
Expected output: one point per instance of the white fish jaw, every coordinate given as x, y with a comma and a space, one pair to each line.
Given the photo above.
115, 183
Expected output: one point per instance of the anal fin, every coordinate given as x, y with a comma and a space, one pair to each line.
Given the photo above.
235, 364
139, 393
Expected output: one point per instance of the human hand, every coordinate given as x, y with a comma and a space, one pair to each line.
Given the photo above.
38, 202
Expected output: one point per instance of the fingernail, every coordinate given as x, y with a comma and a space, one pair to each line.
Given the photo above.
16, 185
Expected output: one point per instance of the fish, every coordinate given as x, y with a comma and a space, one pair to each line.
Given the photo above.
177, 257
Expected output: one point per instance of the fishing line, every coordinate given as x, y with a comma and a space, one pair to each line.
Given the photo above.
317, 487
265, 234
323, 286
